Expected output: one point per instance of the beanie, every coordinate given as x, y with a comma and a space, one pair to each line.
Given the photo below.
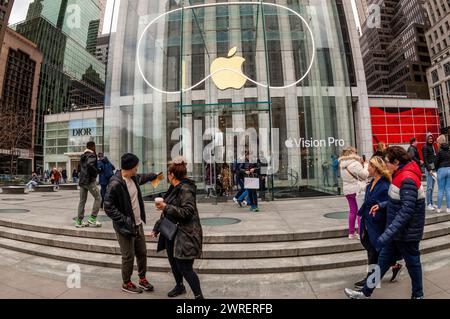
129, 161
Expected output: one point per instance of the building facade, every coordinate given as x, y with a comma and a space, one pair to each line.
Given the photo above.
396, 120
71, 77
295, 108
395, 53
438, 39
5, 12
363, 11
66, 135
102, 48
20, 67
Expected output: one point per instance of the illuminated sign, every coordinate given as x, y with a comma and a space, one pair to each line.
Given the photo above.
223, 68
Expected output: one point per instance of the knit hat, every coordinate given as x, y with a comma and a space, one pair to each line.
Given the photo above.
129, 161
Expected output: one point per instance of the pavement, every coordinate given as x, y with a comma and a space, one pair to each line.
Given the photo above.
26, 276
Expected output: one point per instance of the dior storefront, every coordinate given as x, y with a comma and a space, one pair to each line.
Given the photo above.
214, 79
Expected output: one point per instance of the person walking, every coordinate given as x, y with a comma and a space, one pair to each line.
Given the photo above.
179, 207
88, 184
240, 173
125, 206
75, 176
405, 223
354, 175
263, 171
442, 165
429, 157
414, 152
226, 179
105, 172
373, 226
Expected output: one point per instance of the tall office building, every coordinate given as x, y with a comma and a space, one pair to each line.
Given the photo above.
5, 12
438, 39
395, 54
363, 13
71, 76
20, 65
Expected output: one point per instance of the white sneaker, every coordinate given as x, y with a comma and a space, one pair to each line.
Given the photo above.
235, 200
351, 236
438, 210
435, 206
353, 294
448, 210
430, 207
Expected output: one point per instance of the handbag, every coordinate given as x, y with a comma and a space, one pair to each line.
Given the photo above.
168, 229
361, 184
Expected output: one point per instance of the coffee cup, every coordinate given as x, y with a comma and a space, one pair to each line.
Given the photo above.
159, 200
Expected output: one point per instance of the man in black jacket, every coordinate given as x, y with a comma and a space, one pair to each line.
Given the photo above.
414, 152
88, 183
125, 206
429, 157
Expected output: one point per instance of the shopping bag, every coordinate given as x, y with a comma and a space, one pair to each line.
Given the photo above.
251, 183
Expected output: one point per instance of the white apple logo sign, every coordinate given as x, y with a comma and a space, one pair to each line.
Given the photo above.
227, 72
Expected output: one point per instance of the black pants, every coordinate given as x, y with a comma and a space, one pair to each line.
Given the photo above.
131, 247
183, 268
372, 253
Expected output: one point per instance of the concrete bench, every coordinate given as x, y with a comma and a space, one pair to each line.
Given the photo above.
13, 189
68, 187
44, 188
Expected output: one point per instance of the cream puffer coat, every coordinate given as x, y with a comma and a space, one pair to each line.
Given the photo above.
353, 164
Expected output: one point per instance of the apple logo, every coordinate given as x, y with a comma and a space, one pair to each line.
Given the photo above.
222, 75
289, 143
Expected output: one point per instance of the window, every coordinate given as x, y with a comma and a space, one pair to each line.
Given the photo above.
447, 69
434, 76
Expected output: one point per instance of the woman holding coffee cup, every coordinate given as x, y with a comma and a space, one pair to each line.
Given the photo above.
179, 208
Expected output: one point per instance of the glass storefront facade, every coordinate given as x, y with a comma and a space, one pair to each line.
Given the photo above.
177, 84
66, 135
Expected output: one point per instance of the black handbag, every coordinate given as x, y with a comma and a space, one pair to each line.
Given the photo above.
168, 229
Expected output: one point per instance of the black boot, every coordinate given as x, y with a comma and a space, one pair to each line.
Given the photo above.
199, 297
177, 291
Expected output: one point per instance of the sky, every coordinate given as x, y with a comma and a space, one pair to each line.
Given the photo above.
20, 8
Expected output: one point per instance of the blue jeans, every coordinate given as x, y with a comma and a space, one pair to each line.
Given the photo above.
243, 196
444, 186
430, 187
252, 198
411, 254
241, 189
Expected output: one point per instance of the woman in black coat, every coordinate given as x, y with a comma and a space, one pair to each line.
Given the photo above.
180, 208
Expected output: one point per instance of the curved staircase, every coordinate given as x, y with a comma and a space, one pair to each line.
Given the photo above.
237, 254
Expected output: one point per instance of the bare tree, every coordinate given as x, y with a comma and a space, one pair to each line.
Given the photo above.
16, 128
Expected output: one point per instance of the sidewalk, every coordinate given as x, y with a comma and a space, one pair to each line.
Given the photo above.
23, 276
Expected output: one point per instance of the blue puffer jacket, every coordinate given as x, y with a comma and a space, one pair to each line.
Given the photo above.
106, 171
405, 207
374, 226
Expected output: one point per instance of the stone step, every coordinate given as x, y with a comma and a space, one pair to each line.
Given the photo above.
212, 251
212, 238
218, 266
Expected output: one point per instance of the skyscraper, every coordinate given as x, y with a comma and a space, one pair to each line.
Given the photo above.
438, 38
395, 54
5, 12
71, 76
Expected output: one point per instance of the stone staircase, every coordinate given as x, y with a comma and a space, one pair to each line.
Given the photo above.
238, 254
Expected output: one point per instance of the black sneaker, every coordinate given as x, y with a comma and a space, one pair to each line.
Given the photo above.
395, 271
360, 284
131, 288
145, 285
199, 297
177, 291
